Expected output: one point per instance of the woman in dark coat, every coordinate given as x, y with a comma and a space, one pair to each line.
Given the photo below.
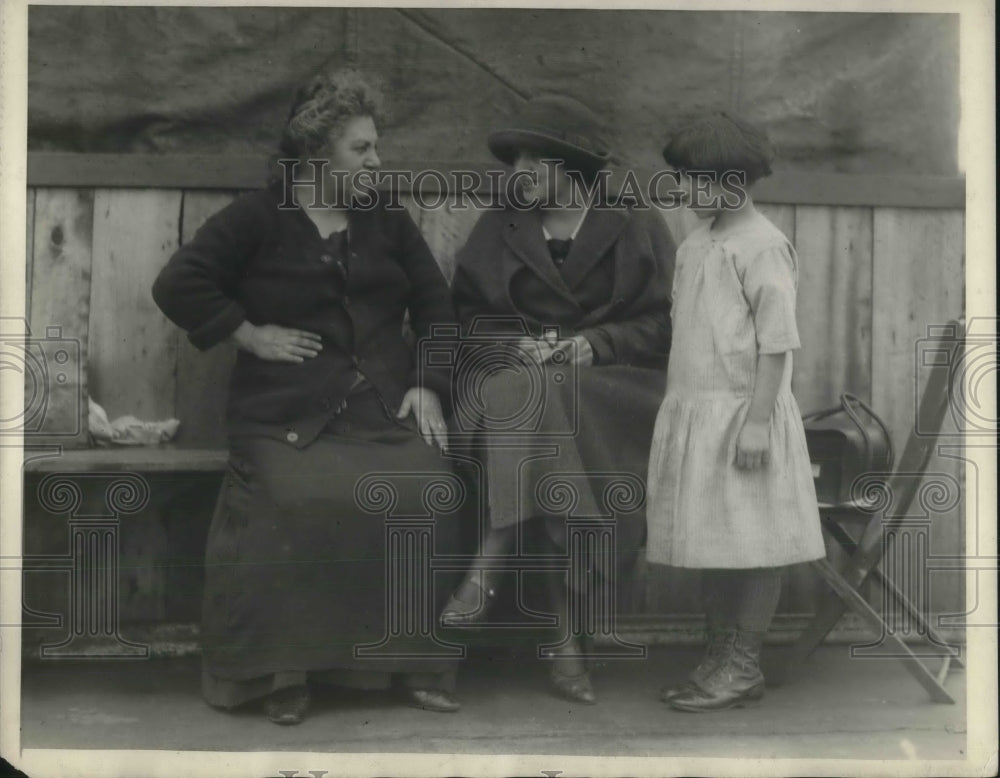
324, 393
582, 295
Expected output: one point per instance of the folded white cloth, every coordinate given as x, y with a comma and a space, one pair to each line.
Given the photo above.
128, 430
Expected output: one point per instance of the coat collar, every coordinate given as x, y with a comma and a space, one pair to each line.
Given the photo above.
523, 234
597, 234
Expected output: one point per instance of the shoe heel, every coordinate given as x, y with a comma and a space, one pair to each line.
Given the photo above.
460, 611
574, 688
752, 698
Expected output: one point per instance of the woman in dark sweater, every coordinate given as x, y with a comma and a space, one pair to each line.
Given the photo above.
565, 306
325, 392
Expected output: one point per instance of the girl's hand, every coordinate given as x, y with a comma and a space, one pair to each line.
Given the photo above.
277, 344
754, 441
578, 350
752, 445
426, 409
538, 351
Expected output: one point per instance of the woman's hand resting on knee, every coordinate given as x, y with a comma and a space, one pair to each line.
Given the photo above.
426, 409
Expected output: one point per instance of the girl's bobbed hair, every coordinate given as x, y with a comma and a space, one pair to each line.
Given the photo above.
321, 108
720, 142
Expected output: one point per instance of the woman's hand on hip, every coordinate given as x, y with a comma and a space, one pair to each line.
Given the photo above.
426, 409
753, 445
277, 344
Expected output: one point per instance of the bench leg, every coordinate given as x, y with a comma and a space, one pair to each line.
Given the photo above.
857, 603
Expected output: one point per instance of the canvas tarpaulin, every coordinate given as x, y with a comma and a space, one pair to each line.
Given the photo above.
861, 93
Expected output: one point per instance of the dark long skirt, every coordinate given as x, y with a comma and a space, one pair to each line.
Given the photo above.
299, 582
568, 443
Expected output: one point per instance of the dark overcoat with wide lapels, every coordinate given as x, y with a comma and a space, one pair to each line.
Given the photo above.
566, 441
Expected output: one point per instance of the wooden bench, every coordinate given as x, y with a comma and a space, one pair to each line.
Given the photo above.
93, 253
166, 458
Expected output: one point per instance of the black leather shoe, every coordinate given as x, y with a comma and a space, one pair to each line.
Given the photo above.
569, 674
575, 688
288, 706
718, 647
667, 693
736, 682
434, 700
698, 700
470, 603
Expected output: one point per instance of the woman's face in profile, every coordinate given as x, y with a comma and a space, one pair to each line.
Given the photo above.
354, 150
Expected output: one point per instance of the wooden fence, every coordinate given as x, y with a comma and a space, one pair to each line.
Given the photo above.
880, 261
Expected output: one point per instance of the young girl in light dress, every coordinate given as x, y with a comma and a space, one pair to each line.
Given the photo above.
730, 488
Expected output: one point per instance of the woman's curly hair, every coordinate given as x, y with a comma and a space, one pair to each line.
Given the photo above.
321, 108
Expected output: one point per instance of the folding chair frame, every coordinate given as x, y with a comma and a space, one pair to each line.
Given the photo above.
867, 551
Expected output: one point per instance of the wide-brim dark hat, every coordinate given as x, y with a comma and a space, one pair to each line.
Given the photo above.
554, 125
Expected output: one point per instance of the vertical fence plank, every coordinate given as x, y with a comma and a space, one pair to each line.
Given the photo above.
834, 246
57, 287
202, 376
919, 281
29, 249
834, 305
60, 280
132, 345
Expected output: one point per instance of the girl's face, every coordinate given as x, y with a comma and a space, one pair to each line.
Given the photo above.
702, 196
354, 149
542, 182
